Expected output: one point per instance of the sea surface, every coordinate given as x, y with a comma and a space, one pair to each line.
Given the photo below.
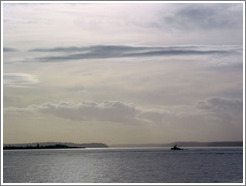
124, 165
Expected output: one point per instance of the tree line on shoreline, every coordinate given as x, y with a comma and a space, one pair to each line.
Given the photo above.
56, 146
52, 145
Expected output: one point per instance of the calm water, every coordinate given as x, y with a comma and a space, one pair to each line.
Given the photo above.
149, 165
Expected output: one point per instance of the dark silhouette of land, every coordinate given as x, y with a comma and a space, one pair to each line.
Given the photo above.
60, 145
52, 145
186, 144
57, 146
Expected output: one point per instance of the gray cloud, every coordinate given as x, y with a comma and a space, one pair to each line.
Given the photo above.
226, 110
5, 49
121, 51
155, 115
222, 107
110, 111
77, 88
95, 48
207, 16
11, 100
19, 80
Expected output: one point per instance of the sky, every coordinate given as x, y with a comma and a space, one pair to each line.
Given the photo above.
122, 73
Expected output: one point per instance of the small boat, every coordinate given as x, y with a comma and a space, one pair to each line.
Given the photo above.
176, 148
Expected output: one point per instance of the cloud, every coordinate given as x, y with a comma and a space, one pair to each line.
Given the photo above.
110, 111
19, 80
95, 49
206, 16
212, 112
156, 116
9, 49
222, 107
191, 23
121, 51
58, 49
11, 100
77, 88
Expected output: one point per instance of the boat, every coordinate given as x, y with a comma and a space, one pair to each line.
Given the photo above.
176, 148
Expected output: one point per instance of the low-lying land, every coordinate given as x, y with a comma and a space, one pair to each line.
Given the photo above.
186, 144
52, 145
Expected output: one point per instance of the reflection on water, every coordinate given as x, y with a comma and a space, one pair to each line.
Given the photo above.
135, 165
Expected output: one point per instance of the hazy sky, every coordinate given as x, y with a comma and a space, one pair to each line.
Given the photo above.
122, 72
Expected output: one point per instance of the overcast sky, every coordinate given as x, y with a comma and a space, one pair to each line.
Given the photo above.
121, 73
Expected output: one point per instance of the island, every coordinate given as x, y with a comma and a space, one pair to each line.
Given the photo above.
52, 145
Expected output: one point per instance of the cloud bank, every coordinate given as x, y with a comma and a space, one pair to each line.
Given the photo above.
128, 113
222, 107
110, 111
163, 57
19, 80
9, 49
122, 51
206, 16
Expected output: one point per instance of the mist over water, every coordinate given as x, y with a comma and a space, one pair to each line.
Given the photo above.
124, 165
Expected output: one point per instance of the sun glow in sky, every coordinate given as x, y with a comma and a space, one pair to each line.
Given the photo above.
122, 72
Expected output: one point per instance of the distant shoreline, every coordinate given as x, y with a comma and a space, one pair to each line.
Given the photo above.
57, 146
52, 145
66, 145
186, 144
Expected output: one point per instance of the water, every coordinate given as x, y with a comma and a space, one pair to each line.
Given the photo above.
149, 165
